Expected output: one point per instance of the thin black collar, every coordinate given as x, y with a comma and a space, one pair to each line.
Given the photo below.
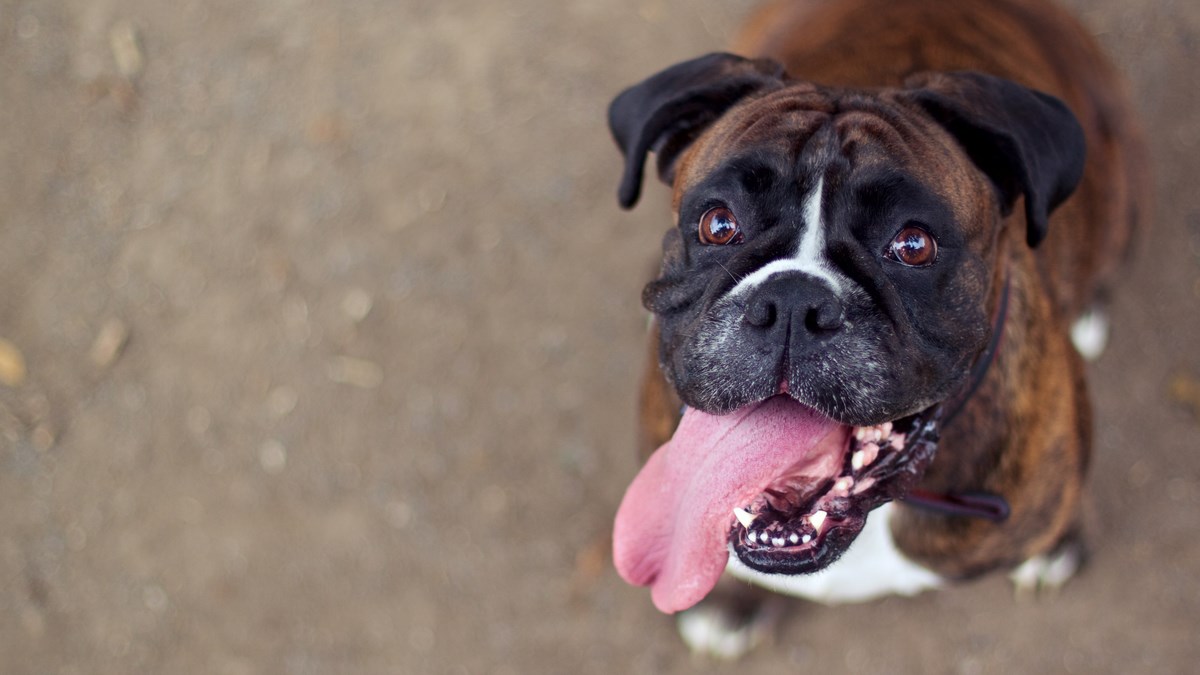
984, 505
984, 363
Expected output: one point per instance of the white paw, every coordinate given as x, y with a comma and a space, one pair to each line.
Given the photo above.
714, 631
1090, 334
1046, 572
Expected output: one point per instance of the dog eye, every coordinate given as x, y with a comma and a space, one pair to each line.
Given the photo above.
718, 226
913, 247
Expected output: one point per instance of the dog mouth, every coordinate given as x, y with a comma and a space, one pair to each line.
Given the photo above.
809, 515
777, 484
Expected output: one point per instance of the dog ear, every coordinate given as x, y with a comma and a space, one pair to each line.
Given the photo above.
1025, 141
668, 111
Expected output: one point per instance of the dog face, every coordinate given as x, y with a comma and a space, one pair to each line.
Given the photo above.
833, 245
819, 252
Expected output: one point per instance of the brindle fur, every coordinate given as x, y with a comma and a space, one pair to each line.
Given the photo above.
1026, 432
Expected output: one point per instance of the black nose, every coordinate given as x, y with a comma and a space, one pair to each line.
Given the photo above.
801, 302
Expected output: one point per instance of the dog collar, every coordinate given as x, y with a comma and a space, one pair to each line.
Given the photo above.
984, 505
984, 363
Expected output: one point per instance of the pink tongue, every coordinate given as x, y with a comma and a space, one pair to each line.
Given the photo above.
672, 527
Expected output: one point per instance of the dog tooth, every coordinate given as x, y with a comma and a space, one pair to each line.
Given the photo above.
898, 441
753, 537
870, 452
860, 433
886, 428
806, 538
777, 542
817, 519
795, 538
856, 460
744, 517
844, 483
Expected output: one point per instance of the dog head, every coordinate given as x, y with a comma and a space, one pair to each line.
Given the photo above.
838, 248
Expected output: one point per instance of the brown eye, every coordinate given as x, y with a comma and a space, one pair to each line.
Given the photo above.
719, 227
913, 247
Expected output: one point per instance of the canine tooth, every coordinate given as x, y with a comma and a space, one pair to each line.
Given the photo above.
744, 517
795, 538
817, 519
870, 452
778, 541
856, 460
806, 538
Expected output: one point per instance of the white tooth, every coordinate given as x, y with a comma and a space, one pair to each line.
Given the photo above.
887, 428
744, 517
856, 460
753, 537
877, 434
844, 483
860, 433
806, 538
817, 519
870, 452
778, 541
795, 538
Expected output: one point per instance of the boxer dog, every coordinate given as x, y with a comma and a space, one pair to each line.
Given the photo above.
888, 217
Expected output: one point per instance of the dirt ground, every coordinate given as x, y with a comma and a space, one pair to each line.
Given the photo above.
320, 333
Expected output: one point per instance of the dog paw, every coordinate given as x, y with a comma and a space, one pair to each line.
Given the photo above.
1047, 572
1089, 334
720, 629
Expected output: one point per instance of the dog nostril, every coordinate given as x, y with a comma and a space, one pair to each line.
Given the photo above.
761, 313
825, 317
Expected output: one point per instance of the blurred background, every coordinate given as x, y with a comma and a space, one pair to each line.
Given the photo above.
319, 333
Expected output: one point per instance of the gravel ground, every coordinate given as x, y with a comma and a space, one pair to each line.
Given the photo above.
319, 331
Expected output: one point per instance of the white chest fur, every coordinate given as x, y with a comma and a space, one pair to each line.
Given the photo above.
872, 567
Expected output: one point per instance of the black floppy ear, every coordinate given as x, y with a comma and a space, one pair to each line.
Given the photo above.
667, 112
1025, 141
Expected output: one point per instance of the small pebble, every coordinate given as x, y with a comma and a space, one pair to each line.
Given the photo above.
273, 457
126, 47
355, 372
1185, 389
12, 364
281, 401
356, 304
109, 343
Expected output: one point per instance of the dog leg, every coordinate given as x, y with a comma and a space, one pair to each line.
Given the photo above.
1048, 572
731, 621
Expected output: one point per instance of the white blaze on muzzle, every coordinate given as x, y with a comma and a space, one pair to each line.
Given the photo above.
810, 255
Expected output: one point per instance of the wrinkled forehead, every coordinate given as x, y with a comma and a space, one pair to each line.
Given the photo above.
813, 129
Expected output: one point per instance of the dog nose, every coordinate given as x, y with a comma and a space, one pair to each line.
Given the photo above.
800, 301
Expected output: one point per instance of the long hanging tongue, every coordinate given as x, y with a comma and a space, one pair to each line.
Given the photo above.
672, 526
